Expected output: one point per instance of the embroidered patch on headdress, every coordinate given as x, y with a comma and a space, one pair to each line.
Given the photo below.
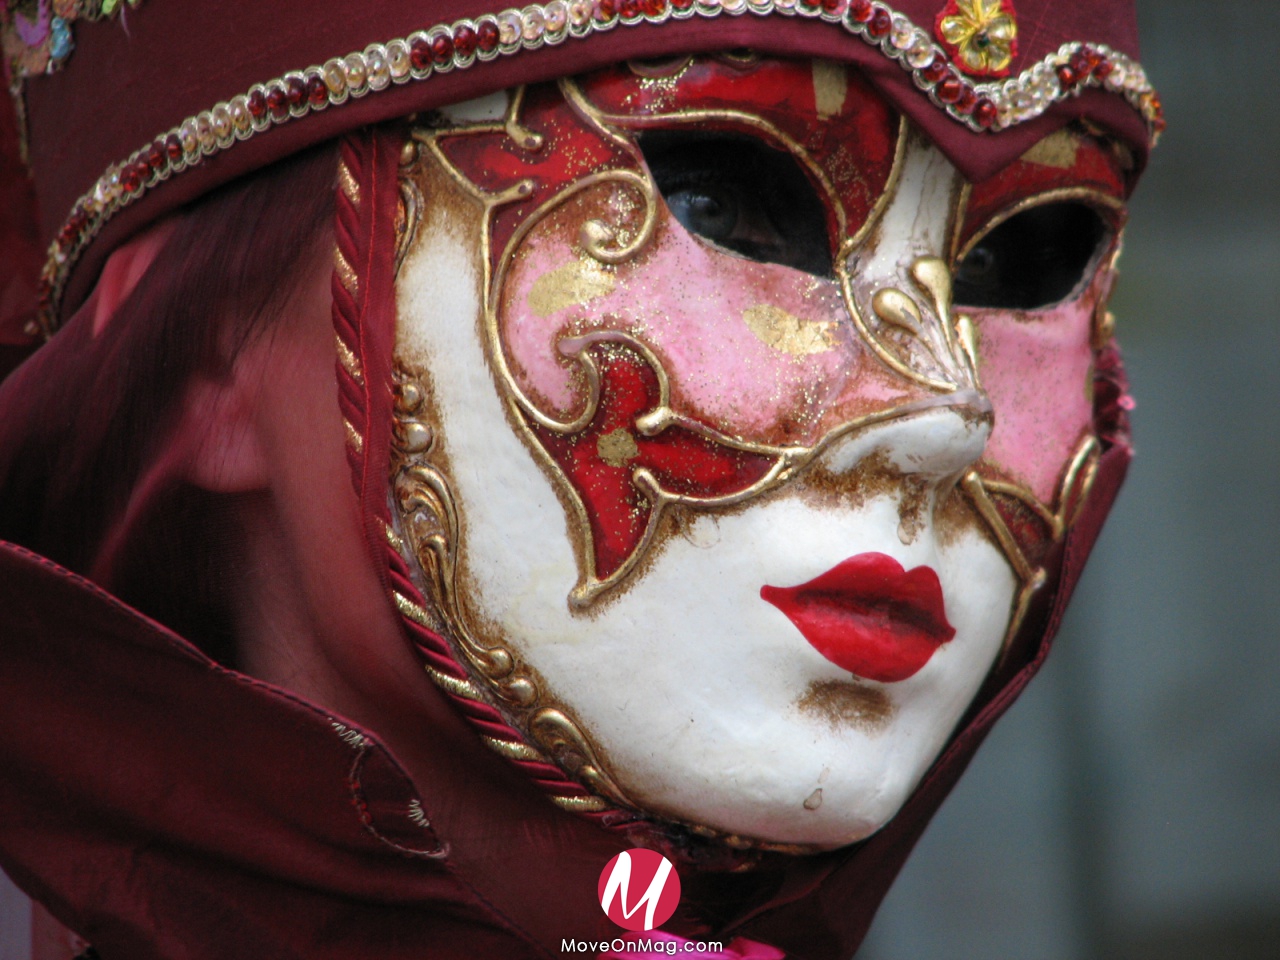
980, 35
37, 33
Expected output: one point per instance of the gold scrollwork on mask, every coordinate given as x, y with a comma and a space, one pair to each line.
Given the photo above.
785, 461
952, 336
561, 738
1073, 490
947, 342
409, 207
429, 512
429, 519
611, 126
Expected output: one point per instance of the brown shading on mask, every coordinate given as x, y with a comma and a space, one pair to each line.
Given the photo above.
843, 704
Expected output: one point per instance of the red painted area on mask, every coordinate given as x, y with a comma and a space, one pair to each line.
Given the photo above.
680, 460
848, 143
846, 137
570, 150
850, 151
1029, 531
1095, 165
851, 139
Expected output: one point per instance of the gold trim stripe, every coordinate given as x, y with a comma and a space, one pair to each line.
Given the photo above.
353, 436
459, 688
346, 273
350, 362
513, 750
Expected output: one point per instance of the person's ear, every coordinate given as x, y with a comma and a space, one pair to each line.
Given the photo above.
221, 433
217, 445
123, 269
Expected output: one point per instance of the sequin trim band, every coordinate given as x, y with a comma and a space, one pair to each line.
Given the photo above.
982, 107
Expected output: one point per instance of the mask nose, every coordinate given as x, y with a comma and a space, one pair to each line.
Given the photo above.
917, 333
897, 288
896, 282
934, 440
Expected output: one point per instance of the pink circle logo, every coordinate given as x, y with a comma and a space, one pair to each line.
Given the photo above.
639, 889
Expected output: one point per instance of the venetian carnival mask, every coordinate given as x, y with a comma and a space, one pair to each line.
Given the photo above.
733, 425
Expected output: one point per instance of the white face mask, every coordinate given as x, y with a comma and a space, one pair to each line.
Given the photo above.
696, 453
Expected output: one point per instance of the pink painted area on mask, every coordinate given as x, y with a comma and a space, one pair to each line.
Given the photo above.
1037, 368
688, 301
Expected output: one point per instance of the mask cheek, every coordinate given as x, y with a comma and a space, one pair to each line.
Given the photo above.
755, 350
1037, 367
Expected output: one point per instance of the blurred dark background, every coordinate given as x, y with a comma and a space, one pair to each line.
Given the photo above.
1128, 807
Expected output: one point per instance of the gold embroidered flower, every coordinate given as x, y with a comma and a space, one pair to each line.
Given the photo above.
982, 35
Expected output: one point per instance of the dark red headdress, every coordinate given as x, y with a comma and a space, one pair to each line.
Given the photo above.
135, 107
298, 837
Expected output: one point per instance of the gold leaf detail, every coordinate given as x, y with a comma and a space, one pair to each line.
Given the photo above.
617, 448
1057, 150
830, 87
787, 333
570, 285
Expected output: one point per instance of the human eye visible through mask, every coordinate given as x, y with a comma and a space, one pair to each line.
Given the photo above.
1034, 259
742, 196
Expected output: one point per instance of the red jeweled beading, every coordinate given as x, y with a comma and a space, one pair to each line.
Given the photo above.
991, 106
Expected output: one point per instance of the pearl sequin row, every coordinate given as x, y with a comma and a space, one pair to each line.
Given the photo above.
445, 47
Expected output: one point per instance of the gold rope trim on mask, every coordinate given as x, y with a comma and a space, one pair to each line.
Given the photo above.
348, 359
346, 274
459, 688
353, 436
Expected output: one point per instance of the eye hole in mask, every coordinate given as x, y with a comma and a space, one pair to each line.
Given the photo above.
742, 196
1036, 258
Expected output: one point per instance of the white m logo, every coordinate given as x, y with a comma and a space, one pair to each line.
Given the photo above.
619, 882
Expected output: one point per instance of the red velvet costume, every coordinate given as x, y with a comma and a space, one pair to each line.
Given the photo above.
162, 805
